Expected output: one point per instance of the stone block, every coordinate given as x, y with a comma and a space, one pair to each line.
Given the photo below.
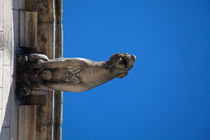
21, 4
1, 39
4, 135
7, 33
1, 15
15, 4
1, 67
16, 27
28, 29
13, 113
27, 122
1, 96
6, 96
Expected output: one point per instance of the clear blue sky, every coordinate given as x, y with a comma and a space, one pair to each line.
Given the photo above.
166, 96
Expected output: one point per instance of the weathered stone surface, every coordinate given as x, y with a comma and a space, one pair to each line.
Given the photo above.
9, 39
46, 25
46, 45
1, 39
21, 4
58, 115
28, 29
58, 54
1, 68
45, 9
71, 74
1, 15
27, 122
8, 42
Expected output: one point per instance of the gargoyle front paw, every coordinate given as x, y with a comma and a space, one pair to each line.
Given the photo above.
37, 57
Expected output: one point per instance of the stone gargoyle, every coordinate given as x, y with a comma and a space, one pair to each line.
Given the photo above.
38, 74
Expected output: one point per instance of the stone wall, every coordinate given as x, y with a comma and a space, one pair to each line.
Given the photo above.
8, 43
35, 24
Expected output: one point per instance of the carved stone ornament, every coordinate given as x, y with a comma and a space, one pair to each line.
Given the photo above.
37, 74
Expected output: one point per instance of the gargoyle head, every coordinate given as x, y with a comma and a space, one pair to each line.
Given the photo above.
121, 63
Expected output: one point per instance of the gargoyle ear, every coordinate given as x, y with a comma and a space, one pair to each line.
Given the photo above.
114, 56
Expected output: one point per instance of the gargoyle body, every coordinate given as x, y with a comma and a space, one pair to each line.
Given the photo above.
69, 74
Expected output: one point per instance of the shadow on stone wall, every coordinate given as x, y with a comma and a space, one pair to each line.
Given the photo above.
9, 113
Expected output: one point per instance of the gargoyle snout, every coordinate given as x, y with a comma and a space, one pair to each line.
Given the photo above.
126, 61
133, 57
123, 60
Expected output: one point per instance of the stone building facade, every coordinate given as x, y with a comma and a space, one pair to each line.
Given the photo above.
36, 25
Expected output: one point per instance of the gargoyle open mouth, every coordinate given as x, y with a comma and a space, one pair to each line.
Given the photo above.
124, 62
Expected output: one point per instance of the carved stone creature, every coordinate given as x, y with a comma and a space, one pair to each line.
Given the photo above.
69, 74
